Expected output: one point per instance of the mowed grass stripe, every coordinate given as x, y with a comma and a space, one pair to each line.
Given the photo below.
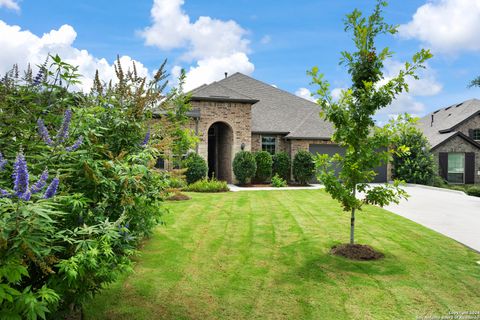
265, 255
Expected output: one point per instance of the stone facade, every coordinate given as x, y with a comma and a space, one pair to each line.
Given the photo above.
458, 144
473, 123
281, 144
238, 118
297, 145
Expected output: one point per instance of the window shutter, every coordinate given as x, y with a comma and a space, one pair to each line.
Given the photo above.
470, 133
443, 163
469, 168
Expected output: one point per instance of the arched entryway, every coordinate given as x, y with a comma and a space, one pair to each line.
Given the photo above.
220, 144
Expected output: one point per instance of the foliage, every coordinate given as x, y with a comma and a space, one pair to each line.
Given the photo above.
278, 182
244, 166
281, 165
303, 167
97, 153
412, 161
264, 162
473, 191
208, 185
352, 115
197, 168
475, 82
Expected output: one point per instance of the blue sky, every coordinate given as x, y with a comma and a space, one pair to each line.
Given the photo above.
273, 43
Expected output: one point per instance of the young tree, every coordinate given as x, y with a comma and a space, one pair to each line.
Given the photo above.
352, 115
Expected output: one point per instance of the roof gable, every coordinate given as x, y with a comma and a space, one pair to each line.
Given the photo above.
439, 126
277, 110
217, 92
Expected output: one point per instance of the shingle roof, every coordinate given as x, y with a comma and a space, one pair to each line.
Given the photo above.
439, 125
216, 91
276, 111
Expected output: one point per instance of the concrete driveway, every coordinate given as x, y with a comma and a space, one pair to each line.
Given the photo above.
449, 212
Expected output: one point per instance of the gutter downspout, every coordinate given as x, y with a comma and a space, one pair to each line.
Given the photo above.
196, 133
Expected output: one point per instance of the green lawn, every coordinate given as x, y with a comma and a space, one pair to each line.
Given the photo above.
265, 255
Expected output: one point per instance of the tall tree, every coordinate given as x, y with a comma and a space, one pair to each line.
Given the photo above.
366, 146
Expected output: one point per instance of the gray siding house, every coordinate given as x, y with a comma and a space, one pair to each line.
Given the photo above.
454, 136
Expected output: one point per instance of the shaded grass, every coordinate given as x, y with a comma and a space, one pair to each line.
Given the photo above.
265, 255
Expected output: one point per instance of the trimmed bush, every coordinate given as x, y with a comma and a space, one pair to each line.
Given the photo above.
303, 167
264, 166
208, 185
176, 183
278, 182
281, 165
196, 168
244, 166
474, 191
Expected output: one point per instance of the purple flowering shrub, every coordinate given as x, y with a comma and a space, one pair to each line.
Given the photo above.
21, 184
70, 229
62, 134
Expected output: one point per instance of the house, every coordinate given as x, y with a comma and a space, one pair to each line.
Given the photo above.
242, 113
454, 136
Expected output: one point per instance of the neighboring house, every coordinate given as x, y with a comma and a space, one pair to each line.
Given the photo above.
454, 136
240, 112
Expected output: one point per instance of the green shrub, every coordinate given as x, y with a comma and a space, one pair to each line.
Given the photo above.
416, 165
244, 166
197, 168
278, 182
303, 167
176, 183
56, 253
208, 185
281, 165
264, 166
474, 191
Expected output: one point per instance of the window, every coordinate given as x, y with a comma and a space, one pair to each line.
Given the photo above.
456, 167
160, 163
268, 144
476, 134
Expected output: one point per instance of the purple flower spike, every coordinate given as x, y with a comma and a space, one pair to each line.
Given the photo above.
20, 175
38, 77
62, 134
3, 162
147, 138
43, 131
26, 196
52, 189
40, 184
4, 194
75, 146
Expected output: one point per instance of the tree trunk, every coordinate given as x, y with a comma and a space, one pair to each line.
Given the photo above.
352, 219
352, 227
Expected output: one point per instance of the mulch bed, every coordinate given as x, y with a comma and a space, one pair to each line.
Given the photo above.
356, 252
178, 197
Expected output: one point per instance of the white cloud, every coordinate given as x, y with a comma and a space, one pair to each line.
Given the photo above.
10, 4
447, 26
305, 94
214, 46
23, 47
336, 93
426, 85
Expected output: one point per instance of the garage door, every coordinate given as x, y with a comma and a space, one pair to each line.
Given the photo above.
331, 149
